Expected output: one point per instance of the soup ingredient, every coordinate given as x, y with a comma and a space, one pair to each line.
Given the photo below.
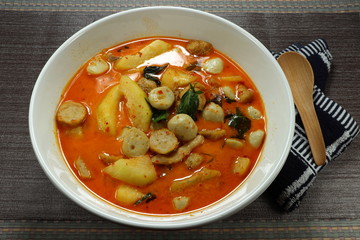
107, 109
136, 104
163, 141
229, 92
180, 154
214, 65
235, 78
146, 85
194, 160
138, 171
254, 113
197, 177
245, 95
199, 47
151, 50
97, 66
161, 98
135, 143
213, 112
146, 198
107, 158
241, 123
234, 143
241, 165
183, 126
176, 77
189, 102
180, 202
213, 134
83, 170
127, 195
150, 73
159, 115
165, 126
76, 131
200, 95
71, 113
256, 137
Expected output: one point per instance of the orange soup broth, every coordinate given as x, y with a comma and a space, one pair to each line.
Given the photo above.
89, 90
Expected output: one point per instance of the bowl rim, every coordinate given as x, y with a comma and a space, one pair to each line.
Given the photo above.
164, 225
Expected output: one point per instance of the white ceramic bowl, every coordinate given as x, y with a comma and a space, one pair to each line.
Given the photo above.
227, 37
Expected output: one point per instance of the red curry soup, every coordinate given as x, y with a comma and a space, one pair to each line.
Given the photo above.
161, 125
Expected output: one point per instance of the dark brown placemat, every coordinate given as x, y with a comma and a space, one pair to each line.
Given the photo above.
29, 38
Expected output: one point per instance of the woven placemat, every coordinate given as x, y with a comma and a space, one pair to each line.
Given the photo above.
315, 229
299, 6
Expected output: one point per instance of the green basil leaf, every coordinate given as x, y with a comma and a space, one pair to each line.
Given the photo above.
189, 102
147, 198
150, 73
159, 115
240, 123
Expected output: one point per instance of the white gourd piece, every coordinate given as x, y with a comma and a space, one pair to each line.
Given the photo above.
127, 195
256, 137
241, 165
229, 92
82, 168
177, 77
151, 50
180, 203
214, 65
234, 143
138, 171
135, 143
213, 112
244, 94
235, 78
75, 132
97, 66
105, 113
107, 158
254, 113
183, 126
139, 110
161, 98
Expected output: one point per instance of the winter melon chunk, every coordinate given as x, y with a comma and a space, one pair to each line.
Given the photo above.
137, 171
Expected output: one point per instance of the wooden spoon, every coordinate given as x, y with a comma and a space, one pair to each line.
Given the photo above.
300, 76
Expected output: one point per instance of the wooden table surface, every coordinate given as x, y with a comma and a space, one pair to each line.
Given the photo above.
32, 208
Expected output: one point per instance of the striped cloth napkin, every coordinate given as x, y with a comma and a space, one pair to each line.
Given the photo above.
338, 128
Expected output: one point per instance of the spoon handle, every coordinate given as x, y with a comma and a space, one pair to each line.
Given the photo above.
313, 131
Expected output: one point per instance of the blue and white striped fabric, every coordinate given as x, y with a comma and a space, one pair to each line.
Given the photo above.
338, 128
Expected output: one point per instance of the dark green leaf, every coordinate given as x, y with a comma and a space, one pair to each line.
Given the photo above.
229, 100
147, 198
217, 99
241, 123
152, 78
159, 115
150, 73
189, 102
